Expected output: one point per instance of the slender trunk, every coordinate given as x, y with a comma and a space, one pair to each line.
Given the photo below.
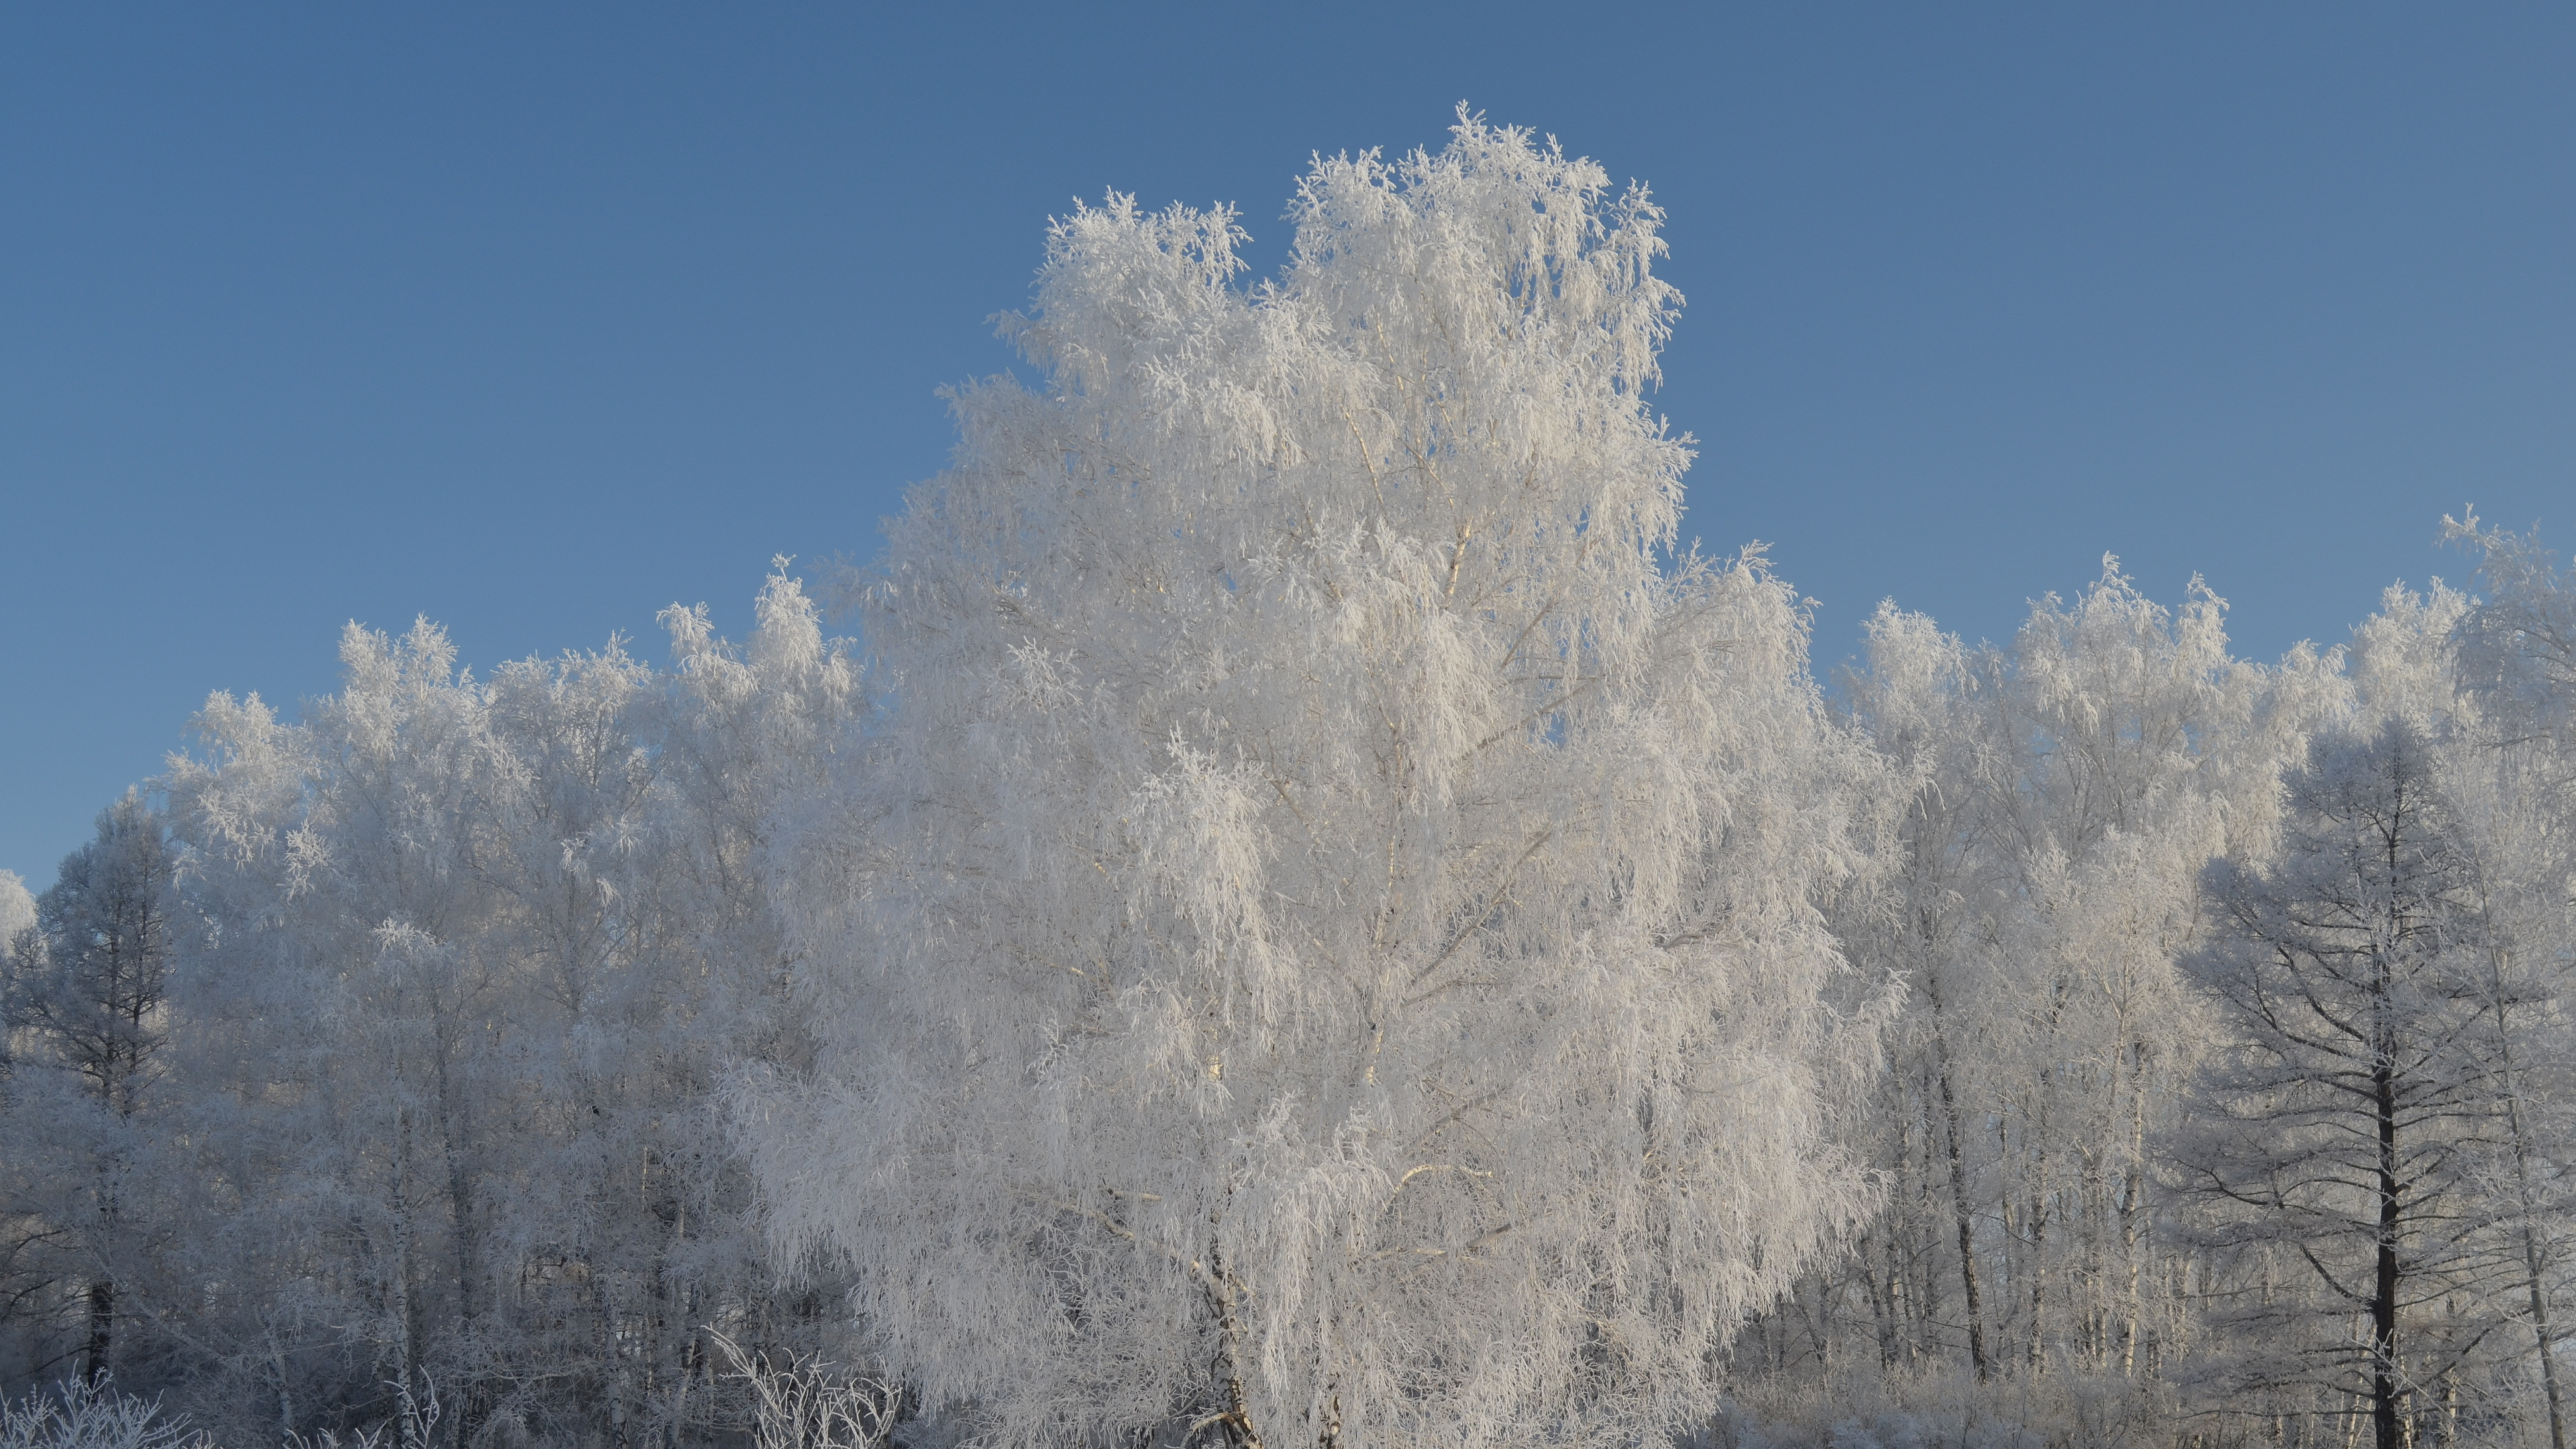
1878, 1278
604, 1354
2386, 1428
1927, 924
1819, 1323
2540, 1337
406, 1304
102, 1332
1892, 1327
1237, 1418
2038, 1216
2384, 1390
285, 1389
1926, 1255
456, 1136
2533, 1258
1901, 1309
2133, 1192
115, 1093
1963, 1218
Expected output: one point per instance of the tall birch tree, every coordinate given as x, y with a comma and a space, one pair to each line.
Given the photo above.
1323, 943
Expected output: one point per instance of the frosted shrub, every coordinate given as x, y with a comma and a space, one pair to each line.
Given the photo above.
80, 1415
803, 1404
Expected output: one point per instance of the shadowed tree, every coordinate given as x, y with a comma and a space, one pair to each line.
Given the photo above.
2345, 1127
84, 1005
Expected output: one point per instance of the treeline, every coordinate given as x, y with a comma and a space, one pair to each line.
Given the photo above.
386, 1052
1322, 924
2232, 1099
377, 1064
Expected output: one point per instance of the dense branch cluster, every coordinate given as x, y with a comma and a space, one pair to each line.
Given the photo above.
1325, 924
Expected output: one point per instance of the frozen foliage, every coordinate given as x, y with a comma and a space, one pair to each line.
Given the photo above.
2519, 651
1324, 943
2057, 799
804, 1403
17, 908
81, 1415
471, 959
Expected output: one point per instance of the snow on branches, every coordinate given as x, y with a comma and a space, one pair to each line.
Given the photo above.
1335, 950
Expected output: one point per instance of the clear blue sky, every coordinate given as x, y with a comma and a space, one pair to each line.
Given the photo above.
535, 318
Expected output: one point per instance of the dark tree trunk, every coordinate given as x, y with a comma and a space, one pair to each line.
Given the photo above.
102, 1332
1966, 1223
2385, 1429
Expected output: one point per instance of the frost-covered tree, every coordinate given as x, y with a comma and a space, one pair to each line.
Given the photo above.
370, 1011
2517, 649
1928, 702
2137, 747
1323, 944
2512, 775
2056, 798
17, 908
2344, 1125
2517, 839
84, 1009
482, 953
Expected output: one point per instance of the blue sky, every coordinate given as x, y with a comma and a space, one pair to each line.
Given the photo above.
534, 319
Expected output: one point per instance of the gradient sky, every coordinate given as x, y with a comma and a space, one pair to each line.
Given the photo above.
534, 319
